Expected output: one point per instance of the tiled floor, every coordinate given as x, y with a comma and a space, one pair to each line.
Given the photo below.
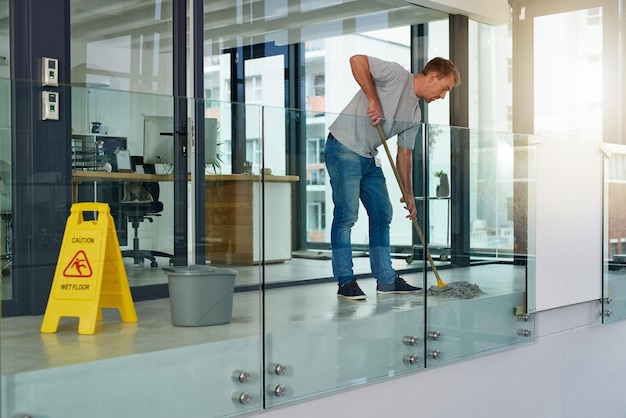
24, 348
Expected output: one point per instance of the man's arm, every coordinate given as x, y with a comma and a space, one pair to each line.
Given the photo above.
361, 72
404, 162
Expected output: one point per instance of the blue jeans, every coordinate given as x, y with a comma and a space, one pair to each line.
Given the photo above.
353, 177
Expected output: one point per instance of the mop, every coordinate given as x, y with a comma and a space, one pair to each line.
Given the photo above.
460, 290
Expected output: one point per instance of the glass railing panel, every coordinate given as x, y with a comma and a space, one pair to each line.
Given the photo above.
186, 333
480, 304
614, 248
233, 212
316, 342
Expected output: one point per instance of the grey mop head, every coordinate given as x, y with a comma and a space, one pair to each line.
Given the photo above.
457, 290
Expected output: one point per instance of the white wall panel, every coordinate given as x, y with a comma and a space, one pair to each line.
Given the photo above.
568, 230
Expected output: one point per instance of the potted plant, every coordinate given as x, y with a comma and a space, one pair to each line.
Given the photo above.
216, 167
443, 189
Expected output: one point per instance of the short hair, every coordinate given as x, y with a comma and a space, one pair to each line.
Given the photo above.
443, 68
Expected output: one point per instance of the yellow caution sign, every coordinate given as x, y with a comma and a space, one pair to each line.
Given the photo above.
90, 274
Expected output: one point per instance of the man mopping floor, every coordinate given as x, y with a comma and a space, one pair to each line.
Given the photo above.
389, 96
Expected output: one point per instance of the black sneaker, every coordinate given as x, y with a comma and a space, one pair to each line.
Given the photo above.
351, 291
397, 286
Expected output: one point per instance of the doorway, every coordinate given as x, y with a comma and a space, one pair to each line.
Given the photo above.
258, 77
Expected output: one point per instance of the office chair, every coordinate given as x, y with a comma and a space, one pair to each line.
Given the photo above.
7, 216
141, 203
7, 256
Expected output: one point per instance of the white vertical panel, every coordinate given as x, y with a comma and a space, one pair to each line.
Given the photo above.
568, 226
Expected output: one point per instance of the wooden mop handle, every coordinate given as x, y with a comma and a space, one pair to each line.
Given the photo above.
407, 197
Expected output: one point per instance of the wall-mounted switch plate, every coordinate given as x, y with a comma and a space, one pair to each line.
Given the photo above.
49, 71
49, 105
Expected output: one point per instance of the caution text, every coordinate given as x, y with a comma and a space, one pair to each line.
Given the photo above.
83, 240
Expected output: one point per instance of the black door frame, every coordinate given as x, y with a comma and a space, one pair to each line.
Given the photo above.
238, 57
43, 148
295, 123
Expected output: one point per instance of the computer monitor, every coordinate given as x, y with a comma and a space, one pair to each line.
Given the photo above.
158, 140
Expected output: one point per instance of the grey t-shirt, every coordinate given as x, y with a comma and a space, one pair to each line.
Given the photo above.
401, 111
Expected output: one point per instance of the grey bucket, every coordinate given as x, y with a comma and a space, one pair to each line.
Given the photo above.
200, 295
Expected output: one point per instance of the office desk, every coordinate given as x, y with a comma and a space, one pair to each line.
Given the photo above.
233, 218
79, 176
233, 213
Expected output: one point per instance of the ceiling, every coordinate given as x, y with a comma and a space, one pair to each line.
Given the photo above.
229, 23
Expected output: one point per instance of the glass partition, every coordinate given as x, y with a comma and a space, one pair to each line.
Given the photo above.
481, 308
483, 304
184, 340
316, 342
614, 248
289, 337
